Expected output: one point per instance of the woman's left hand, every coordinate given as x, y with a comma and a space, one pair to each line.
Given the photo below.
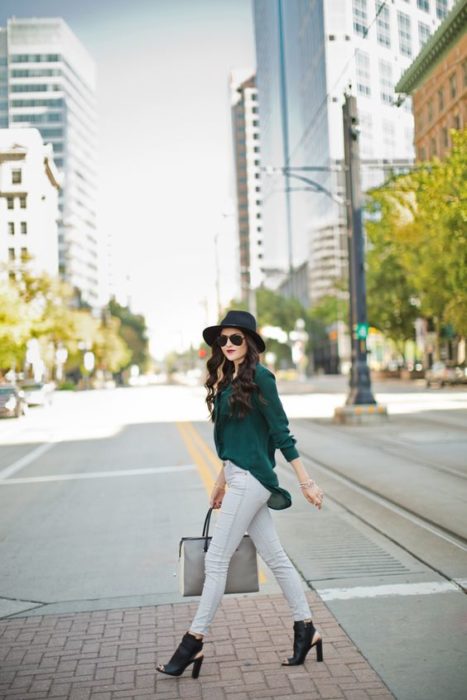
217, 495
313, 494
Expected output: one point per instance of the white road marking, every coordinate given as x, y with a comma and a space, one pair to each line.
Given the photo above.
99, 475
27, 459
396, 589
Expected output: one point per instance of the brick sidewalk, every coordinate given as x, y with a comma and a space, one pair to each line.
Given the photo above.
112, 654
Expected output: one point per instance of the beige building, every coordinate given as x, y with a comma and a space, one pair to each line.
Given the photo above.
29, 186
437, 83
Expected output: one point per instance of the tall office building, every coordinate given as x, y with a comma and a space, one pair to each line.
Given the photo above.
246, 141
309, 52
47, 81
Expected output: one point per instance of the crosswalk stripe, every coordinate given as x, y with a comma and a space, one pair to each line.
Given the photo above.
395, 589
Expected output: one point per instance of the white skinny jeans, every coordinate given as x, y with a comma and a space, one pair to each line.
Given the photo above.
244, 508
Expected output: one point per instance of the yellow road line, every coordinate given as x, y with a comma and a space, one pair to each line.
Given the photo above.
197, 457
196, 445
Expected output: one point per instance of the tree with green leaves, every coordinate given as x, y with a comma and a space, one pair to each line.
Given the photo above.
134, 332
418, 249
392, 302
15, 328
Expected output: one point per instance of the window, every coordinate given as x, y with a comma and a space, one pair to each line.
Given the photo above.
453, 85
456, 122
24, 254
22, 201
11, 228
362, 62
405, 40
11, 254
440, 99
445, 137
441, 8
464, 71
34, 72
36, 102
10, 203
423, 5
16, 177
383, 26
430, 111
35, 58
422, 153
24, 227
29, 87
423, 33
360, 17
385, 82
433, 147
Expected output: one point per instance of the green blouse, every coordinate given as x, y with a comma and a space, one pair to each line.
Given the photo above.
251, 442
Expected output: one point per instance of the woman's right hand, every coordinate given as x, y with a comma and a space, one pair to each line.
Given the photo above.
217, 496
313, 494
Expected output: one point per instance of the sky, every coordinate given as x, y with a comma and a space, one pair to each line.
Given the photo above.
165, 152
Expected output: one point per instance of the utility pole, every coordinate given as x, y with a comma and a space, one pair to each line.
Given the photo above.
285, 143
360, 382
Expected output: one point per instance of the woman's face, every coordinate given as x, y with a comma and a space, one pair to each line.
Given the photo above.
234, 353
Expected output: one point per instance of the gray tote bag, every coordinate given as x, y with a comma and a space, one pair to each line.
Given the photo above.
242, 576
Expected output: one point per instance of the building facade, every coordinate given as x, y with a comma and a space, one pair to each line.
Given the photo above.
47, 81
246, 143
437, 83
309, 53
29, 187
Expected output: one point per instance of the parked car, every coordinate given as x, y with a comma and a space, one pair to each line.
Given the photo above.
442, 374
12, 401
38, 393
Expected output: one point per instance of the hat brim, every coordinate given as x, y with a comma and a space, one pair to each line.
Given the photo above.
212, 332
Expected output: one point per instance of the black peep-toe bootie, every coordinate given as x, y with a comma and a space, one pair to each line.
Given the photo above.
186, 654
305, 637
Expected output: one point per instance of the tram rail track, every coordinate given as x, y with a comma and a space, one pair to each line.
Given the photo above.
448, 536
390, 447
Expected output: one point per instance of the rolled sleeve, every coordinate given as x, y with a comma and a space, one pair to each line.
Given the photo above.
271, 408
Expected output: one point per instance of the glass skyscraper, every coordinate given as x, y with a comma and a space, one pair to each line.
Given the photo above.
47, 81
308, 53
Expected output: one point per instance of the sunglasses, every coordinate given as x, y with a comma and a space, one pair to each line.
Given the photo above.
235, 339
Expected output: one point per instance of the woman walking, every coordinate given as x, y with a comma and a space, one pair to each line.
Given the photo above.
249, 425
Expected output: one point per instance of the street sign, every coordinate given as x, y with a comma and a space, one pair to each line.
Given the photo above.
361, 331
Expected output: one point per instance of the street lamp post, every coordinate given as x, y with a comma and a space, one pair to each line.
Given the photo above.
360, 382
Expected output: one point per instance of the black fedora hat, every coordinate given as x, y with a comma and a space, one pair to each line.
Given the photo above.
235, 319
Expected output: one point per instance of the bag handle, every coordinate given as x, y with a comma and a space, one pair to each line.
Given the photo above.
205, 534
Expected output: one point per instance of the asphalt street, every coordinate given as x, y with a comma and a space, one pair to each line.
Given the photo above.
96, 491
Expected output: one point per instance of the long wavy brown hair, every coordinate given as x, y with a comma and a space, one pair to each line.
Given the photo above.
220, 375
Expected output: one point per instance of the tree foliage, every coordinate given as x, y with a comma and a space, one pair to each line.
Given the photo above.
15, 327
418, 249
133, 331
41, 307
